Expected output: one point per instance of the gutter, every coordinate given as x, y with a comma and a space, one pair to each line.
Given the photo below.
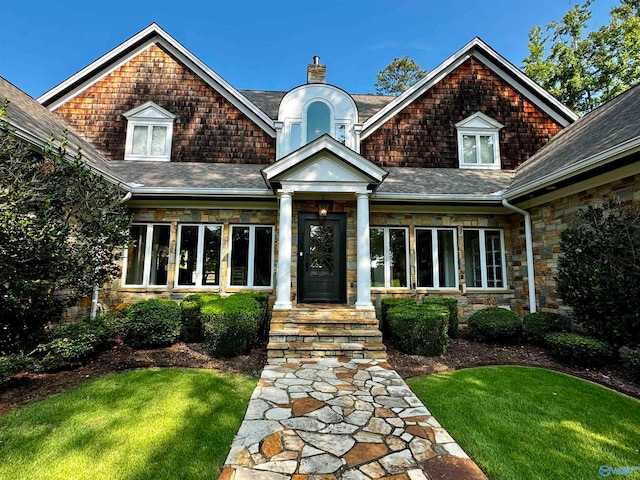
529, 247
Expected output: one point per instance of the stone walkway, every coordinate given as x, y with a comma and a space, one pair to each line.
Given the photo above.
331, 418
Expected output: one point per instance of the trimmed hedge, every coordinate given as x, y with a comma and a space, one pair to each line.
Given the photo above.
632, 363
69, 346
579, 349
114, 322
419, 328
231, 324
192, 330
540, 324
494, 325
386, 304
153, 323
452, 305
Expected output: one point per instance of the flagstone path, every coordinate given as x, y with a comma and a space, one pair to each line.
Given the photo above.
335, 418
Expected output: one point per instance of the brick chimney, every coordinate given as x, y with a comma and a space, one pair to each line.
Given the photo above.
316, 73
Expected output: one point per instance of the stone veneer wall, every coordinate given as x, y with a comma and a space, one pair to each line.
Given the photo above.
548, 222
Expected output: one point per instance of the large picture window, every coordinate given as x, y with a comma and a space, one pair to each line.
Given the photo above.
436, 258
251, 256
484, 259
198, 258
389, 249
147, 258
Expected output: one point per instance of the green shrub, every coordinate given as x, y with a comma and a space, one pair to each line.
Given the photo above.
579, 349
452, 305
114, 322
231, 324
632, 363
419, 329
191, 318
540, 324
12, 364
152, 323
69, 346
263, 300
494, 325
385, 305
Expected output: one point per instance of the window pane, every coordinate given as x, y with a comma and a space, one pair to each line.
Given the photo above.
472, 258
494, 259
159, 255
159, 141
398, 266
318, 120
139, 145
486, 149
262, 257
188, 262
211, 261
295, 136
377, 257
135, 255
469, 149
341, 133
446, 259
424, 254
239, 255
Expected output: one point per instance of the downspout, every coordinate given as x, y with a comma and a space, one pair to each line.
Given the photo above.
96, 288
529, 247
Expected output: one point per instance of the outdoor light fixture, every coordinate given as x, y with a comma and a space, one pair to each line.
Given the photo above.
324, 208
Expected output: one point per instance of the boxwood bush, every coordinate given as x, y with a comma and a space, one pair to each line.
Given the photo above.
153, 323
419, 328
231, 324
385, 305
452, 305
494, 325
540, 324
190, 306
69, 346
114, 322
579, 349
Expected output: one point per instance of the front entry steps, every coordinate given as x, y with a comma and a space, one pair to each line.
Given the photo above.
311, 331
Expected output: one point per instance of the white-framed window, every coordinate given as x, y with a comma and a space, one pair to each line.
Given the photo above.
479, 142
198, 256
484, 258
436, 258
389, 257
146, 261
251, 256
149, 133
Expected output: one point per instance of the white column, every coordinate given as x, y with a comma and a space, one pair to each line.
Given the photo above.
364, 258
283, 293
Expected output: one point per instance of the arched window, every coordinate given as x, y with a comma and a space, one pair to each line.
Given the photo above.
318, 120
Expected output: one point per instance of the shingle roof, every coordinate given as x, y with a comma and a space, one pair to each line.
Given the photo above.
608, 126
36, 124
269, 102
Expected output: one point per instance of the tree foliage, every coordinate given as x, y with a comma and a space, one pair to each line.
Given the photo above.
599, 271
60, 226
399, 75
582, 68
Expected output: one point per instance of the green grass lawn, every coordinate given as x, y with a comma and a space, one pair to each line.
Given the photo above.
528, 423
141, 424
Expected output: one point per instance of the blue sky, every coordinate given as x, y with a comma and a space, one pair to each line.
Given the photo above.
267, 45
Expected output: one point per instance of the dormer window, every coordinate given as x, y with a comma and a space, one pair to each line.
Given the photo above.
479, 142
149, 133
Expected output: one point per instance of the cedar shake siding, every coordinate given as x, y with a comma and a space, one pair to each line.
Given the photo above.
423, 134
207, 129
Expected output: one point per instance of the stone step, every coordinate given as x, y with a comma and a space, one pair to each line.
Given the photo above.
316, 324
325, 332
316, 349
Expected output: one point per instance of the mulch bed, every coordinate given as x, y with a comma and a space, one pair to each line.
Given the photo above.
27, 388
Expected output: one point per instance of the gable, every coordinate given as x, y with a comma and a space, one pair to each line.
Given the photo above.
207, 128
423, 133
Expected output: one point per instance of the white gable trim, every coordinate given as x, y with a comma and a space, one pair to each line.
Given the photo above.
502, 67
140, 42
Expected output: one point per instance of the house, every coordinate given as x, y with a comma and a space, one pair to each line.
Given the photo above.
459, 187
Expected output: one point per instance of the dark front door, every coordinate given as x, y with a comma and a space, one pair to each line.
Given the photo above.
322, 258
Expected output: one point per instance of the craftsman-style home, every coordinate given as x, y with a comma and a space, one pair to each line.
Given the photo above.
459, 187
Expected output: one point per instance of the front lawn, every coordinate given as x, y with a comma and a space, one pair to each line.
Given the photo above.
143, 424
528, 423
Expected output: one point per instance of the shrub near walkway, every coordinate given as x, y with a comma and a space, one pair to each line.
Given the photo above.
527, 423
142, 424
